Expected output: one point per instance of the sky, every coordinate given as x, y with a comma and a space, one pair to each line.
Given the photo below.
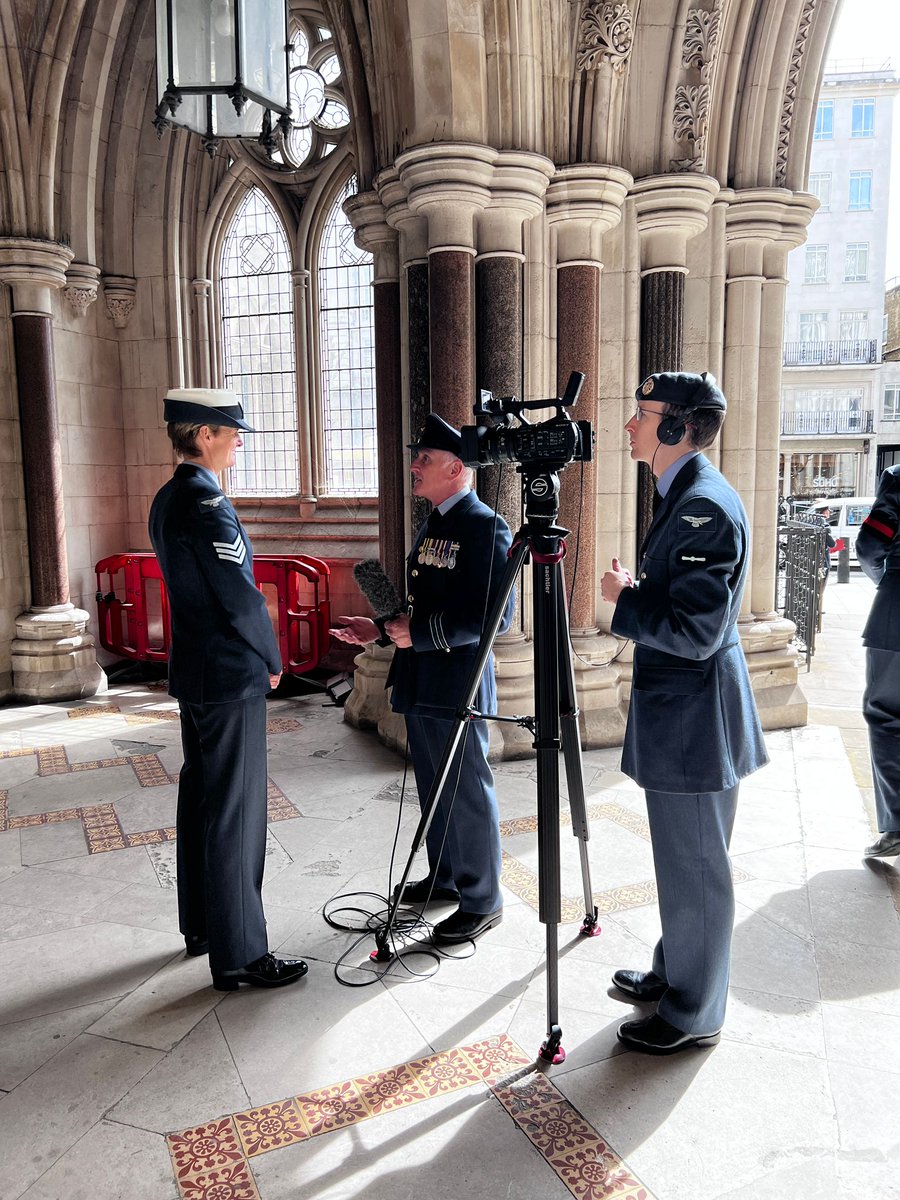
870, 30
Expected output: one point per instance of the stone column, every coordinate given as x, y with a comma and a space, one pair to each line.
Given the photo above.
517, 191
203, 356
53, 657
669, 211
367, 707
762, 226
583, 202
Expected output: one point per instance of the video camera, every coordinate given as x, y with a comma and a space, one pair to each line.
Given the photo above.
552, 443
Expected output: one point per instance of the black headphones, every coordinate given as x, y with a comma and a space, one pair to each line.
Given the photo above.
671, 430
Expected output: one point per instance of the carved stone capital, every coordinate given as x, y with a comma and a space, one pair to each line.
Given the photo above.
82, 281
605, 35
34, 269
448, 188
366, 214
585, 200
119, 292
670, 210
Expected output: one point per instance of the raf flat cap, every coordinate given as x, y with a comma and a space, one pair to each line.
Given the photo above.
436, 434
684, 388
205, 406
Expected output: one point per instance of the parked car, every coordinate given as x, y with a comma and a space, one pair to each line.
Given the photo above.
846, 514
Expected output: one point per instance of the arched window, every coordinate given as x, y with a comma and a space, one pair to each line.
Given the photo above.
346, 338
258, 337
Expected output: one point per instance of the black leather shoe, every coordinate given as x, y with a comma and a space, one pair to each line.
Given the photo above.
417, 891
194, 947
463, 926
886, 847
268, 972
653, 1035
640, 985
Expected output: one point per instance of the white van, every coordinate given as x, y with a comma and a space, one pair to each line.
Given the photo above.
846, 515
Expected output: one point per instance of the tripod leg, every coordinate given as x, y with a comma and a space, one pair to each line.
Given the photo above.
571, 745
383, 952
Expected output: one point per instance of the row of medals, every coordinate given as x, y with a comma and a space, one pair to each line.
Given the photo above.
438, 552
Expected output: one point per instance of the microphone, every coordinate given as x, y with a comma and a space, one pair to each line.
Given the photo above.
378, 589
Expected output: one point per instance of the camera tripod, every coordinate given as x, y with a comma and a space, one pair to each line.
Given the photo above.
554, 726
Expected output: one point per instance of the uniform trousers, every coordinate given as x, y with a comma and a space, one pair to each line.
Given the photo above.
221, 829
690, 834
463, 851
881, 708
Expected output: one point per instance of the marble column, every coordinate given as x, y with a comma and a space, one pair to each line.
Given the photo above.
762, 226
517, 191
669, 212
53, 657
582, 203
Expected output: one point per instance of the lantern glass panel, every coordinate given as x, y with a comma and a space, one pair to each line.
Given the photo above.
263, 58
203, 43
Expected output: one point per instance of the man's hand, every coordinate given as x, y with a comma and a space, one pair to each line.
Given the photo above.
397, 630
274, 681
614, 582
359, 631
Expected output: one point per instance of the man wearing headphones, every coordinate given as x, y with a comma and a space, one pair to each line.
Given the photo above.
693, 731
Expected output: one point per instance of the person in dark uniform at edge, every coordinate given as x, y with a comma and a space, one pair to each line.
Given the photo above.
453, 575
693, 730
825, 565
223, 659
878, 553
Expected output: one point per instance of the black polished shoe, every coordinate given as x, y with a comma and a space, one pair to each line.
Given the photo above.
267, 972
194, 947
417, 891
653, 1035
640, 985
464, 926
886, 847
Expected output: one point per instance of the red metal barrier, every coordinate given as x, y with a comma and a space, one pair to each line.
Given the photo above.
137, 626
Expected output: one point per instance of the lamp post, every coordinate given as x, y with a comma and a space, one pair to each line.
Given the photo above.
222, 69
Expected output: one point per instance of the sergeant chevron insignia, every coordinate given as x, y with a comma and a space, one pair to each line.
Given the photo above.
696, 522
235, 551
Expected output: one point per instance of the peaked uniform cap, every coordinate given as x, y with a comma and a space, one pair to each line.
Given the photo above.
205, 406
436, 434
684, 388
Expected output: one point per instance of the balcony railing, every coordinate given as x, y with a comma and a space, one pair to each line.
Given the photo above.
816, 422
831, 353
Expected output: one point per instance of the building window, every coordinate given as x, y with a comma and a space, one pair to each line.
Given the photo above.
862, 119
813, 326
892, 402
816, 268
824, 129
860, 191
258, 337
856, 262
854, 325
346, 332
820, 186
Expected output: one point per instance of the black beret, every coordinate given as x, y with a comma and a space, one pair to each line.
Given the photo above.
436, 434
684, 388
205, 406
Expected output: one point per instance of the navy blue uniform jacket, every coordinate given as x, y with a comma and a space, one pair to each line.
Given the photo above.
692, 725
223, 645
878, 552
453, 576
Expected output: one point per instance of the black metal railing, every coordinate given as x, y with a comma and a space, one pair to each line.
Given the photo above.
817, 421
831, 353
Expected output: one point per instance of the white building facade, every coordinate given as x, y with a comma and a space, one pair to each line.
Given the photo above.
839, 398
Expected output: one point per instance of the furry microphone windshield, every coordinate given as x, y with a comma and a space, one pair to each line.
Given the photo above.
377, 588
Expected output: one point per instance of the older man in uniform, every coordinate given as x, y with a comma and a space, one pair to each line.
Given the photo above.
453, 576
223, 659
693, 729
878, 552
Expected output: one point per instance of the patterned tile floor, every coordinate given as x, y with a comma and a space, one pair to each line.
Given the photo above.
123, 1074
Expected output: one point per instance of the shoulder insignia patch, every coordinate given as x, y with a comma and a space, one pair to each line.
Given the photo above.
696, 522
212, 502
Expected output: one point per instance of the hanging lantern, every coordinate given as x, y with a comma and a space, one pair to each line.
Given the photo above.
222, 69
